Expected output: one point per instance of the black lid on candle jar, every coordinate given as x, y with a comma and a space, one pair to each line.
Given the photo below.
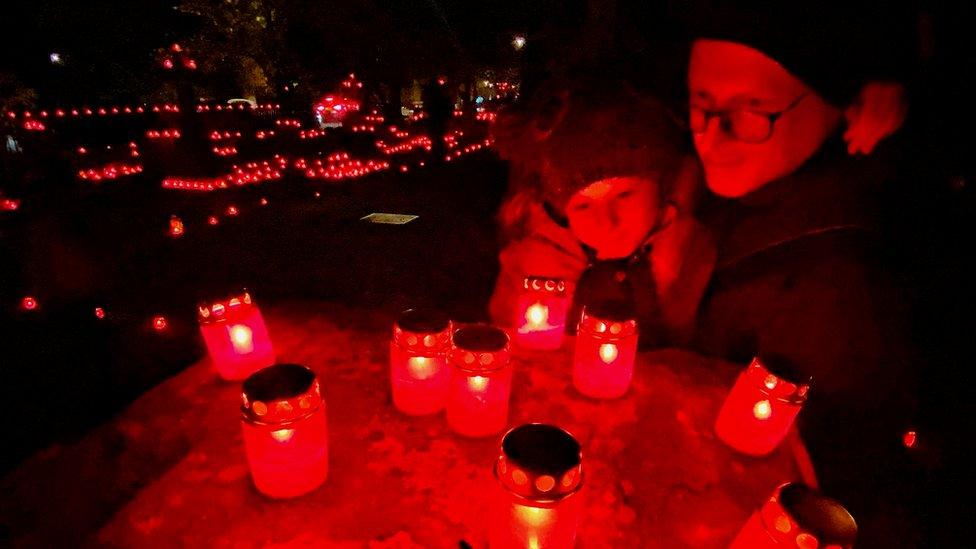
823, 517
481, 338
423, 321
783, 368
280, 393
218, 310
616, 311
540, 461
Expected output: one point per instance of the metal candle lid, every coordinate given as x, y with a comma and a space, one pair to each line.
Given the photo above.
540, 462
613, 319
797, 513
779, 378
220, 310
422, 330
555, 286
280, 394
480, 348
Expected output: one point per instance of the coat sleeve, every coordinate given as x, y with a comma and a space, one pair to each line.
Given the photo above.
683, 264
839, 321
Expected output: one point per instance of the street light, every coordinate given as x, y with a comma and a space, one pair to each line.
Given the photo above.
518, 42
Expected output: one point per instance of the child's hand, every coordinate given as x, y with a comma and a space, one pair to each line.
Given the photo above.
878, 112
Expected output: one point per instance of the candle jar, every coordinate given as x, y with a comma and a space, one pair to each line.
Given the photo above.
419, 374
761, 407
798, 517
481, 381
537, 503
285, 434
541, 313
606, 348
236, 336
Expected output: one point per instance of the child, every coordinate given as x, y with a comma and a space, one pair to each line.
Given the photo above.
593, 207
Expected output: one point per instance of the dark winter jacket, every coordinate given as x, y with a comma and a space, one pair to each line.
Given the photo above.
801, 275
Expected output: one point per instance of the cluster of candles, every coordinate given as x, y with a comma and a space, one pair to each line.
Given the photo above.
170, 133
110, 171
238, 107
420, 141
465, 371
100, 111
469, 149
340, 166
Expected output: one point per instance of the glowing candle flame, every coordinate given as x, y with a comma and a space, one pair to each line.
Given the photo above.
762, 410
241, 337
537, 315
608, 352
478, 383
283, 435
533, 516
420, 367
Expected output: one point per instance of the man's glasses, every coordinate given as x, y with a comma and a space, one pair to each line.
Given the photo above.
745, 125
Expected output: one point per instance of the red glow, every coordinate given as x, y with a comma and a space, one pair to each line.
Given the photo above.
34, 125
9, 204
110, 171
232, 211
99, 313
603, 365
213, 220
759, 411
175, 226
910, 439
286, 440
263, 201
236, 337
772, 527
480, 388
541, 313
168, 63
419, 372
159, 323
28, 303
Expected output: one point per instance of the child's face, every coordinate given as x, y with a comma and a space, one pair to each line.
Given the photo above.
613, 216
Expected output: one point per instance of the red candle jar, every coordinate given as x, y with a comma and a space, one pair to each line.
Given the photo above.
798, 517
285, 435
481, 381
236, 336
606, 347
541, 313
538, 505
419, 374
761, 407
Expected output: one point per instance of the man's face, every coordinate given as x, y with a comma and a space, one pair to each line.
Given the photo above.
614, 216
727, 76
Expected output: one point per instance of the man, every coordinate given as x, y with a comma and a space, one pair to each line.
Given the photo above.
800, 273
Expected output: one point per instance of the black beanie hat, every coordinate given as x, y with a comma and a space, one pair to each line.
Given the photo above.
834, 47
607, 129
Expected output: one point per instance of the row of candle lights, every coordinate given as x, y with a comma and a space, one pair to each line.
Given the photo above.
466, 372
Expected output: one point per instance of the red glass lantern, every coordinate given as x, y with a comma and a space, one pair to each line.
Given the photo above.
539, 471
798, 517
541, 313
481, 381
236, 336
760, 409
606, 348
419, 373
285, 432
